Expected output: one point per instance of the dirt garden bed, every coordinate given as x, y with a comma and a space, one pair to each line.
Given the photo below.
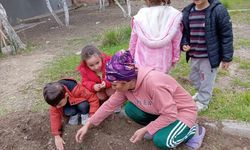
22, 129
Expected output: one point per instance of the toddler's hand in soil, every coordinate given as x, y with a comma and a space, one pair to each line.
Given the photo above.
59, 142
138, 135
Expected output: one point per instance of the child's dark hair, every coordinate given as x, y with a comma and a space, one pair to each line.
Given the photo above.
53, 93
159, 2
88, 51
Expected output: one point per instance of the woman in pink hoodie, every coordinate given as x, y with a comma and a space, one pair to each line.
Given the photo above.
156, 35
156, 101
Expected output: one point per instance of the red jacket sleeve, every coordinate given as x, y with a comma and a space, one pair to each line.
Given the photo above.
55, 120
85, 81
94, 104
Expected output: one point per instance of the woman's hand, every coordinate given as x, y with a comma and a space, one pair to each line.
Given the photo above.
59, 142
82, 132
138, 135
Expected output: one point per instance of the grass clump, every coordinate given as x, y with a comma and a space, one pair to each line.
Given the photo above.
116, 37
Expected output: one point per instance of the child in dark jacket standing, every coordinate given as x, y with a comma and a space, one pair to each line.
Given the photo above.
68, 98
208, 41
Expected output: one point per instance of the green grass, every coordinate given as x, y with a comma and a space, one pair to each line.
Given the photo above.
243, 65
229, 105
240, 17
241, 83
241, 43
115, 37
60, 68
236, 4
40, 106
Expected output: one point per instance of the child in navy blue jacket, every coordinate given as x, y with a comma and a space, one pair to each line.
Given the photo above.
208, 41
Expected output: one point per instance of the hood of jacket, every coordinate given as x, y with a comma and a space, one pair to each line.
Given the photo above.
156, 26
142, 74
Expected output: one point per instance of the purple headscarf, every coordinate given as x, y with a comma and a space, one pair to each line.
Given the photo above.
121, 67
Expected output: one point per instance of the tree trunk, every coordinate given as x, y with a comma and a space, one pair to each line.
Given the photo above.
13, 38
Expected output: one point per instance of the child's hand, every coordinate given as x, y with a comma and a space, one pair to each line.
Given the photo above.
59, 142
186, 48
97, 87
103, 84
225, 65
138, 135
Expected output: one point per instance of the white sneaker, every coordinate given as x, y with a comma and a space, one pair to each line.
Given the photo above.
122, 113
148, 136
118, 110
84, 118
194, 97
73, 120
200, 106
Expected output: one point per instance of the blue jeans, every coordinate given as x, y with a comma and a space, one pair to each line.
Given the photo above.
81, 108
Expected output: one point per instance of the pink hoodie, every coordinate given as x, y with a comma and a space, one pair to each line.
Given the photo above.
156, 36
155, 93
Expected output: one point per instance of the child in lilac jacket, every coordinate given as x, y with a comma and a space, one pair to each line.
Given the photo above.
156, 35
156, 101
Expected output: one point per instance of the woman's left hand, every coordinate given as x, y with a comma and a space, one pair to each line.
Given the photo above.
138, 135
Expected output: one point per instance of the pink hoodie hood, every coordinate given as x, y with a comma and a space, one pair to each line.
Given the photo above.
156, 26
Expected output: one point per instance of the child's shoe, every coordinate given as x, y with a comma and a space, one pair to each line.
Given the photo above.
84, 118
194, 97
122, 114
195, 142
118, 110
200, 106
73, 120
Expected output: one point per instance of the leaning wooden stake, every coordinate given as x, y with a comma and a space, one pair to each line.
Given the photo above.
53, 13
124, 12
129, 8
66, 12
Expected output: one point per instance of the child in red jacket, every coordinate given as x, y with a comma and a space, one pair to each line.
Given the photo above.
92, 70
68, 98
